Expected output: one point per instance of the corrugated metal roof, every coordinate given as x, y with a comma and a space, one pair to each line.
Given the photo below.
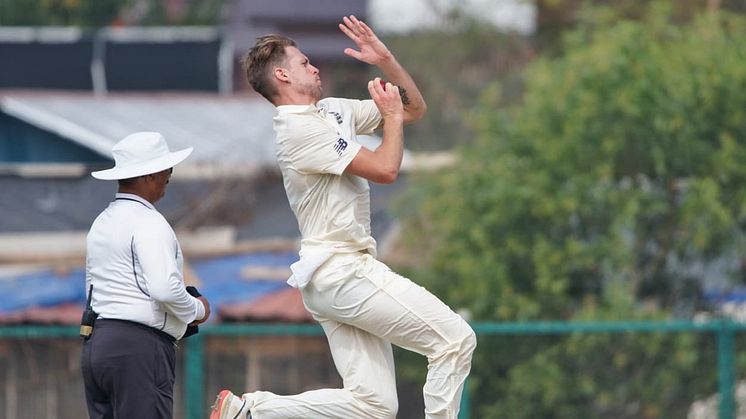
226, 131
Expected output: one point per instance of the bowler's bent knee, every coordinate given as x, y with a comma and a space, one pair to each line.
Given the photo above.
380, 406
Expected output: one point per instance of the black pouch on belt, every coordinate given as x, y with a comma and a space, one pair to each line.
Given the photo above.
89, 317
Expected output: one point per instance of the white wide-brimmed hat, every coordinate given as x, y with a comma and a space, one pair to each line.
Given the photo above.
141, 153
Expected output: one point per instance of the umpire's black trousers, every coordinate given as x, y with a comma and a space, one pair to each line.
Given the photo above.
128, 371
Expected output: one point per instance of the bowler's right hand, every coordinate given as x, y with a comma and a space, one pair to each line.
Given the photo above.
388, 100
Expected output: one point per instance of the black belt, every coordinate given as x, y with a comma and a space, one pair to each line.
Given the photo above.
159, 333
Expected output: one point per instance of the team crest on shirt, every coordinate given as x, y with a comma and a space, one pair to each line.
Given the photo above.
337, 116
340, 146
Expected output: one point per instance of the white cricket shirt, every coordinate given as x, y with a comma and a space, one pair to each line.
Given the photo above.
315, 144
135, 265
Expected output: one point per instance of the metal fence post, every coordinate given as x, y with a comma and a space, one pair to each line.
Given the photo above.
194, 378
725, 369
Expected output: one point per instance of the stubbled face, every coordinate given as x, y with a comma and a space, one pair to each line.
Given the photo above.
303, 77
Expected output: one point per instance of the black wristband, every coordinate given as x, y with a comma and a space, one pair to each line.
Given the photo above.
193, 291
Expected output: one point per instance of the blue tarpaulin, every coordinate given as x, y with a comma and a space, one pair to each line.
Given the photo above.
221, 282
45, 288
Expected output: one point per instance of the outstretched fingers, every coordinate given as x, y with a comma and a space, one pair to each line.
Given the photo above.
369, 48
347, 30
354, 54
365, 29
355, 23
351, 28
356, 29
348, 27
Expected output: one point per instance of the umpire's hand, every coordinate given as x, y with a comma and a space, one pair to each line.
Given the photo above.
207, 311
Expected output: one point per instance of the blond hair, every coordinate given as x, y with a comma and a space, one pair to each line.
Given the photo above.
259, 62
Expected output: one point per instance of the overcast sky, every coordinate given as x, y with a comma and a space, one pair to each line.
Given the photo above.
405, 15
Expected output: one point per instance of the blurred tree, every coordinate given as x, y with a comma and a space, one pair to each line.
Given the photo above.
621, 163
92, 13
612, 192
554, 17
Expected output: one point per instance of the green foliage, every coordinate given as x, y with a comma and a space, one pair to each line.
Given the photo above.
554, 17
91, 13
611, 192
100, 13
623, 162
604, 375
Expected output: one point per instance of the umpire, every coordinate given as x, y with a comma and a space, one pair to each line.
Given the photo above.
137, 295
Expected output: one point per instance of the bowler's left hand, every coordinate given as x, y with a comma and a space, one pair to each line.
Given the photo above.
370, 49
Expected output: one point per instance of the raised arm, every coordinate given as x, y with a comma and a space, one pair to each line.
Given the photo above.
382, 165
372, 51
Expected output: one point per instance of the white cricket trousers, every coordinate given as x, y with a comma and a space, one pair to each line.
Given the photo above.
364, 307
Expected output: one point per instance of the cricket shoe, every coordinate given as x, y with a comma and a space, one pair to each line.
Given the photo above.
229, 406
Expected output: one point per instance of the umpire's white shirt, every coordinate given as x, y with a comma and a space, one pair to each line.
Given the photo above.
315, 144
135, 265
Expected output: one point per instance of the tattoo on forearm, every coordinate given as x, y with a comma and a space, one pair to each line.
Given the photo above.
404, 97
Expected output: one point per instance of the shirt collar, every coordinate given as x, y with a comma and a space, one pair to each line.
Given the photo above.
296, 109
133, 197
